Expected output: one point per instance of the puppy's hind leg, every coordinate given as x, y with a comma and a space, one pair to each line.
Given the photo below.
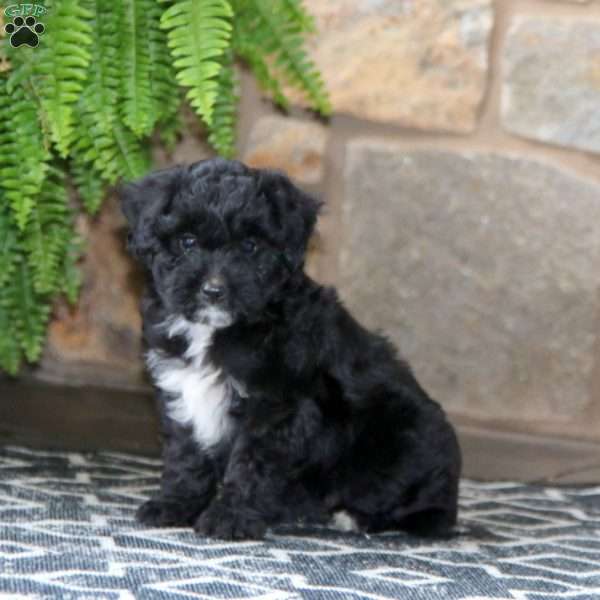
403, 480
425, 508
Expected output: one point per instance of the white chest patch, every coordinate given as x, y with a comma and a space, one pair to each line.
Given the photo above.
201, 394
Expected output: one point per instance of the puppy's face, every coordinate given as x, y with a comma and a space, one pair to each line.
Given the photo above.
219, 240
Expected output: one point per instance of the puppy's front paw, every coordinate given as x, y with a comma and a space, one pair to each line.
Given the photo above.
164, 513
220, 521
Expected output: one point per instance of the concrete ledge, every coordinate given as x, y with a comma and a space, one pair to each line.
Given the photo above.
77, 417
492, 455
89, 418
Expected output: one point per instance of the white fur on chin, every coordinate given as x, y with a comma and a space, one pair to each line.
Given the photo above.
201, 394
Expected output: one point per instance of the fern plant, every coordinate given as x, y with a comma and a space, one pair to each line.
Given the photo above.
80, 111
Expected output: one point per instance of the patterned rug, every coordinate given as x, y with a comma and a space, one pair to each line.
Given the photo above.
67, 531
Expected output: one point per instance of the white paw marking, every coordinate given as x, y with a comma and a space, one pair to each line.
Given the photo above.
342, 521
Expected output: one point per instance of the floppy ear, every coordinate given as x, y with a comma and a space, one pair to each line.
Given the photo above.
141, 203
139, 196
298, 212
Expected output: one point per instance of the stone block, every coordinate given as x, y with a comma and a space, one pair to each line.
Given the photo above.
420, 64
551, 87
483, 268
292, 145
98, 341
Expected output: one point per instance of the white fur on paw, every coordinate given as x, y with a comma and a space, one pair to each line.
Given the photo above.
343, 521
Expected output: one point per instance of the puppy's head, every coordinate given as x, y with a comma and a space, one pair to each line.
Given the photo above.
218, 239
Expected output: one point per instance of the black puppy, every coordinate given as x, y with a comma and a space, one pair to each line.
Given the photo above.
276, 404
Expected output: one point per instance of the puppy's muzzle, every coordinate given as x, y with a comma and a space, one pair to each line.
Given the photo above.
213, 290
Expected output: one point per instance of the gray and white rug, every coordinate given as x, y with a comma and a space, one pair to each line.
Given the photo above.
67, 531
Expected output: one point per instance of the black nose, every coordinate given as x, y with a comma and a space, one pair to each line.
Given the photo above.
213, 290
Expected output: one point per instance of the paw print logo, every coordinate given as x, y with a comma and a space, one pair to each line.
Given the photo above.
24, 31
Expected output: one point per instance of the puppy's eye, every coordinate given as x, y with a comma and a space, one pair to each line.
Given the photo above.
188, 241
248, 246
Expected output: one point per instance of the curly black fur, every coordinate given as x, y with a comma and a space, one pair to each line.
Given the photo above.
276, 404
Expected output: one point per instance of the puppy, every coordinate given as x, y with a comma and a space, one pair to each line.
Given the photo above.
276, 404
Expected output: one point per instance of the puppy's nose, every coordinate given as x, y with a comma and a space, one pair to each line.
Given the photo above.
213, 290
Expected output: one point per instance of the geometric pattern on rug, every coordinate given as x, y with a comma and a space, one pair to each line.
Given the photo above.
67, 531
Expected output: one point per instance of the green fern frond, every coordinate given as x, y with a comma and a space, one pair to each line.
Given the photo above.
165, 91
23, 155
138, 109
10, 351
28, 311
8, 243
61, 63
102, 87
296, 15
134, 155
45, 249
47, 234
222, 129
105, 150
199, 32
272, 32
254, 56
149, 85
89, 184
71, 275
115, 153
170, 130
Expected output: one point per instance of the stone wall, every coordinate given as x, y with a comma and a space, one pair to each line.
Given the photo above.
461, 171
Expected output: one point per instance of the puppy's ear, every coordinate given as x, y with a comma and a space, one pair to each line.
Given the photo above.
141, 202
297, 211
139, 196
